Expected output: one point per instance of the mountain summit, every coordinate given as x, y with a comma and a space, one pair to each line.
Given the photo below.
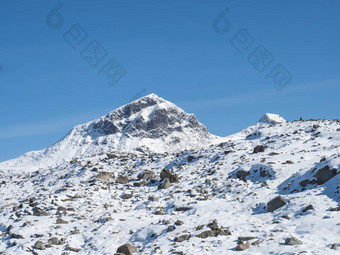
149, 124
148, 117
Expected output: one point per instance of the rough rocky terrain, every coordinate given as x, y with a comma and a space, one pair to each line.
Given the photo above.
272, 188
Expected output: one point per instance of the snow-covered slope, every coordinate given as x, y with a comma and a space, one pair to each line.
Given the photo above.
208, 199
149, 124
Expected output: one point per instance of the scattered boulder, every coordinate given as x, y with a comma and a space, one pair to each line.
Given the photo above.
178, 252
325, 174
208, 233
166, 174
214, 225
285, 216
61, 210
127, 249
276, 203
224, 232
182, 209
127, 195
170, 228
335, 209
241, 174
257, 242
182, 238
293, 241
76, 231
39, 212
16, 236
259, 148
153, 199
122, 179
191, 158
61, 221
304, 183
215, 230
199, 227
104, 176
69, 248
39, 245
179, 223
242, 246
334, 246
54, 241
146, 175
159, 212
309, 207
164, 184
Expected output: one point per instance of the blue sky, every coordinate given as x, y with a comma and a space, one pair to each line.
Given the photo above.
170, 48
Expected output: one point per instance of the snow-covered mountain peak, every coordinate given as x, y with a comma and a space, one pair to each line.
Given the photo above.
149, 117
270, 118
148, 125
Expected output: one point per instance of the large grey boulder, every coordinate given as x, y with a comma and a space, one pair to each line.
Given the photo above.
325, 174
166, 174
39, 245
164, 184
182, 238
127, 249
122, 179
243, 246
104, 176
293, 241
276, 203
259, 148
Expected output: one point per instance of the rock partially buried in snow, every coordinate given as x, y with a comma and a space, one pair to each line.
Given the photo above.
259, 148
127, 249
293, 241
39, 212
39, 245
104, 176
324, 174
182, 238
122, 179
167, 174
276, 203
273, 119
334, 246
164, 184
243, 246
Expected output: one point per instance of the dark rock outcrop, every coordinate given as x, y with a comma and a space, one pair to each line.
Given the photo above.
127, 249
276, 203
325, 174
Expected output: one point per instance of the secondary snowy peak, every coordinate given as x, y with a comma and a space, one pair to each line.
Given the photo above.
272, 119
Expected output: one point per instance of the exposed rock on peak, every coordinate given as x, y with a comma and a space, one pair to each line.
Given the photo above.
148, 117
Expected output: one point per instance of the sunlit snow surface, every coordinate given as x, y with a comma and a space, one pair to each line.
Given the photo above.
208, 186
